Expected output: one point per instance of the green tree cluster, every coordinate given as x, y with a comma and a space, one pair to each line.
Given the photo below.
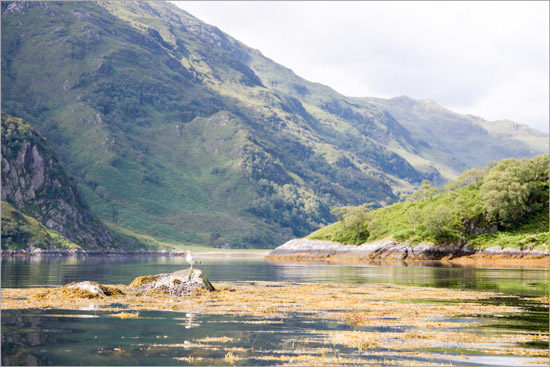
505, 196
356, 223
425, 191
515, 188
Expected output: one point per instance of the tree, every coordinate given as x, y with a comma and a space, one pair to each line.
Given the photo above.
539, 172
460, 207
438, 223
414, 216
374, 226
354, 221
473, 176
506, 191
425, 191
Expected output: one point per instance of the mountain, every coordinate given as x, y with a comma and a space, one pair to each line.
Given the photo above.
454, 142
174, 129
42, 206
43, 199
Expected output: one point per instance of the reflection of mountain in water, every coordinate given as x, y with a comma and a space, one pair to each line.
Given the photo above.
20, 272
19, 334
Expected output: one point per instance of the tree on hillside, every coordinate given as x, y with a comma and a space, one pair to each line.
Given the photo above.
354, 221
473, 176
425, 191
439, 222
514, 188
414, 216
374, 226
539, 171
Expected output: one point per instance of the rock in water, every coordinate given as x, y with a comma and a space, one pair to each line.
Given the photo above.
93, 288
89, 289
179, 283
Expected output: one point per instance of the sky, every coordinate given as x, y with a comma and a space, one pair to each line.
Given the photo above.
489, 59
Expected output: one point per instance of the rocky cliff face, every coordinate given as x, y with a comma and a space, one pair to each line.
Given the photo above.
34, 180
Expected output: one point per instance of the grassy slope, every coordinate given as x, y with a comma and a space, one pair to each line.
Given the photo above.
20, 231
532, 230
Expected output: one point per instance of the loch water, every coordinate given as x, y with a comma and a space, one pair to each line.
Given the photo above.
89, 337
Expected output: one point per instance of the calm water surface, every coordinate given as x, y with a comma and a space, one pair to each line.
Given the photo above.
54, 337
53, 271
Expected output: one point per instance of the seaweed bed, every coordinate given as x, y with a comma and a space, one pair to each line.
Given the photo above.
421, 319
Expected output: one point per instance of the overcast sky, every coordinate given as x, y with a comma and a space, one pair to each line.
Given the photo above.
489, 59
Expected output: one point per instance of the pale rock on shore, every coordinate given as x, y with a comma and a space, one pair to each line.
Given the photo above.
388, 249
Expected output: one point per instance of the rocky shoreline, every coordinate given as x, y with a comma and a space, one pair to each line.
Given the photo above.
389, 250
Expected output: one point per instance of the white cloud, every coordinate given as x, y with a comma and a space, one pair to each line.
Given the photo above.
485, 58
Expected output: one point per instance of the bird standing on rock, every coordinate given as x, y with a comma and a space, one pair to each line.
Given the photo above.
190, 259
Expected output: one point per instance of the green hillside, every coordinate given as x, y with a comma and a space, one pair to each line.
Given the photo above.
19, 231
504, 204
175, 130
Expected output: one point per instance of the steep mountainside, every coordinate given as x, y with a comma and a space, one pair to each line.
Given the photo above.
174, 129
35, 182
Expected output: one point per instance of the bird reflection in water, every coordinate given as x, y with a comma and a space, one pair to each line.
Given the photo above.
190, 318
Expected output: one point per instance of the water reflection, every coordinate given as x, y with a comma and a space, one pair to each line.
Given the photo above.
190, 324
157, 338
46, 271
516, 281
19, 334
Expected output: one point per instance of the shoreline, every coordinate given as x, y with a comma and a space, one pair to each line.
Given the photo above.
390, 252
66, 252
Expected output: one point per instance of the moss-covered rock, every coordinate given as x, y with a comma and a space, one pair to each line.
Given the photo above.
143, 281
88, 289
179, 283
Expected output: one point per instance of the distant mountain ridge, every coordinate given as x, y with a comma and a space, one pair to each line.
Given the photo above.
174, 129
454, 142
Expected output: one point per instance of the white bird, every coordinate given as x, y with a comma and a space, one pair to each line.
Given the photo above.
190, 259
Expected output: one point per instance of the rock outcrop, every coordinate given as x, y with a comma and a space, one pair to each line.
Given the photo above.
306, 249
179, 283
87, 289
34, 180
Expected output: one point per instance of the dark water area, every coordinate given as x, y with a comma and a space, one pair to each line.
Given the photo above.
94, 337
